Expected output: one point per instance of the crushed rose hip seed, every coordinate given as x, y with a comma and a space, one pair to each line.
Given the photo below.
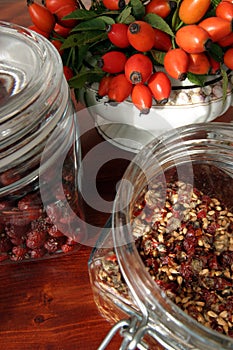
186, 243
185, 239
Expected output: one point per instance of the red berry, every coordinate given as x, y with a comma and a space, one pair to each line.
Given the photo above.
39, 31
114, 4
117, 34
228, 58
216, 27
113, 62
119, 88
161, 8
142, 98
141, 35
41, 17
104, 86
193, 38
162, 40
68, 72
63, 11
160, 86
176, 63
138, 68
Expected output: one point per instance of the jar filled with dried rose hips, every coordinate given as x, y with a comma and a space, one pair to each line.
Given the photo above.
163, 266
39, 150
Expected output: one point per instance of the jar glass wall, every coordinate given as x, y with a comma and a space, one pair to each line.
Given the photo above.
39, 150
201, 157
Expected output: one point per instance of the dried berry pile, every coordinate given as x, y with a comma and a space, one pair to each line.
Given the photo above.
135, 48
185, 239
186, 243
27, 231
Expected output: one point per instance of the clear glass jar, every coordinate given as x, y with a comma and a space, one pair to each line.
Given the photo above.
124, 288
39, 150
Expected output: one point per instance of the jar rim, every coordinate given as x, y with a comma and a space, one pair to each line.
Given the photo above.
143, 288
28, 62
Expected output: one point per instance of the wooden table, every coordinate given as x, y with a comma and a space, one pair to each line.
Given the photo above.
48, 305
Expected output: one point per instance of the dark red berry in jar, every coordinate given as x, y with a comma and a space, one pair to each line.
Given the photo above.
54, 232
18, 253
66, 248
52, 245
30, 201
37, 253
35, 239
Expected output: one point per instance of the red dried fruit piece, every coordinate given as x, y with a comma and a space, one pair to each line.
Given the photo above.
201, 214
37, 253
54, 232
53, 245
66, 248
18, 253
15, 231
30, 201
35, 239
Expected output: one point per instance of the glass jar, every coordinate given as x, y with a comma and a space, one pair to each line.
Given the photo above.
126, 290
39, 150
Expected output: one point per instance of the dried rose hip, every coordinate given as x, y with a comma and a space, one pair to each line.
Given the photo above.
27, 230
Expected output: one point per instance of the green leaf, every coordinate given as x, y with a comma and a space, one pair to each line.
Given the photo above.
98, 23
125, 16
138, 8
216, 52
107, 19
81, 15
81, 55
196, 79
85, 38
79, 81
159, 23
176, 22
215, 3
158, 56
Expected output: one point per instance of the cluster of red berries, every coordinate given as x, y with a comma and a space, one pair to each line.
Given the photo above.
47, 18
186, 38
190, 52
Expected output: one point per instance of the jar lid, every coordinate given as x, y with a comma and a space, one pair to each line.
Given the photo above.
26, 64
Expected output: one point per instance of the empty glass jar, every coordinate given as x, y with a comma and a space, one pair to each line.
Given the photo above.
162, 268
39, 150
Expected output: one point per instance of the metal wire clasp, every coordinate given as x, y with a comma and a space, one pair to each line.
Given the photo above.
131, 331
